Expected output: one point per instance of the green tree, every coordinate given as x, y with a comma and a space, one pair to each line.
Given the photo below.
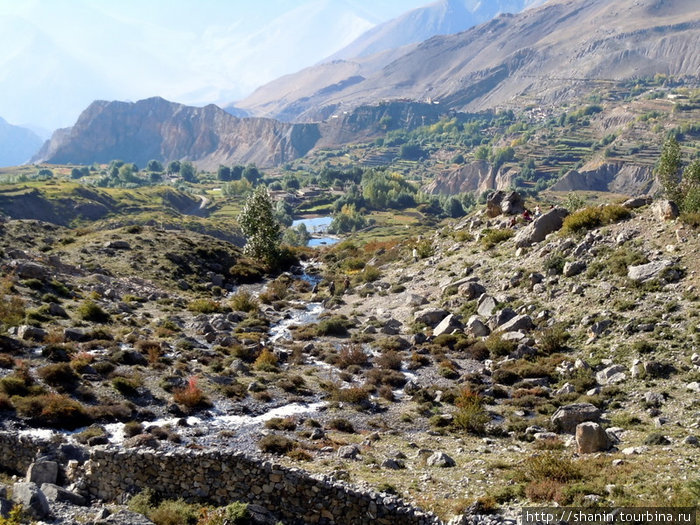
224, 173
75, 173
187, 171
174, 166
45, 172
261, 229
155, 166
252, 174
668, 169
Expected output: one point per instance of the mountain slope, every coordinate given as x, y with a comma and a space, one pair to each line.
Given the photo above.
157, 129
17, 144
550, 54
443, 17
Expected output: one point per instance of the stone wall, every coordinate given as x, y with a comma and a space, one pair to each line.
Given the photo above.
221, 477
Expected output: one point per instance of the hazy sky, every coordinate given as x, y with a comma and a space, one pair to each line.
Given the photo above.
60, 55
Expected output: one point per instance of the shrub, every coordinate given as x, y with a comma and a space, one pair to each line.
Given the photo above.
266, 361
389, 360
58, 375
555, 262
275, 444
204, 306
550, 466
7, 361
370, 273
174, 512
335, 326
133, 428
593, 217
279, 423
499, 347
125, 386
351, 355
90, 432
54, 410
299, 454
341, 425
553, 339
5, 403
91, 311
244, 302
470, 414
14, 385
191, 396
491, 238
354, 395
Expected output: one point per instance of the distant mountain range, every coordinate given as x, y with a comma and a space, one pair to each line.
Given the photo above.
444, 17
17, 144
547, 54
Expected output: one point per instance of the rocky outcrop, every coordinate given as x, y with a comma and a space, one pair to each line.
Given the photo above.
477, 177
158, 129
629, 179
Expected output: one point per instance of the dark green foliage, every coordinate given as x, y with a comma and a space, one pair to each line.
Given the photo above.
91, 311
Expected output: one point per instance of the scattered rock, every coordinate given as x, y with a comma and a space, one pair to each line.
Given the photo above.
691, 440
117, 245
486, 305
649, 271
611, 375
654, 399
591, 437
471, 290
517, 323
542, 226
56, 493
33, 501
431, 316
442, 460
448, 325
637, 202
348, 452
566, 418
656, 438
125, 517
573, 268
665, 210
41, 472
31, 333
476, 327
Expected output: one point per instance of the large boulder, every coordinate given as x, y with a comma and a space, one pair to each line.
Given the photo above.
665, 210
476, 327
125, 517
517, 323
29, 270
649, 271
471, 290
448, 325
56, 493
591, 437
486, 305
431, 316
33, 501
566, 418
41, 472
499, 202
442, 460
542, 226
31, 333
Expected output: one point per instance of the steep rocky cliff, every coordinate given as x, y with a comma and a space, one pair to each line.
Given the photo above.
477, 176
629, 179
157, 129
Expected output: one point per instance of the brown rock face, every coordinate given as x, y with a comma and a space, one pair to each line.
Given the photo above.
157, 129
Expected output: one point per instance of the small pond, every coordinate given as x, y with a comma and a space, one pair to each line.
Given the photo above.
317, 226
